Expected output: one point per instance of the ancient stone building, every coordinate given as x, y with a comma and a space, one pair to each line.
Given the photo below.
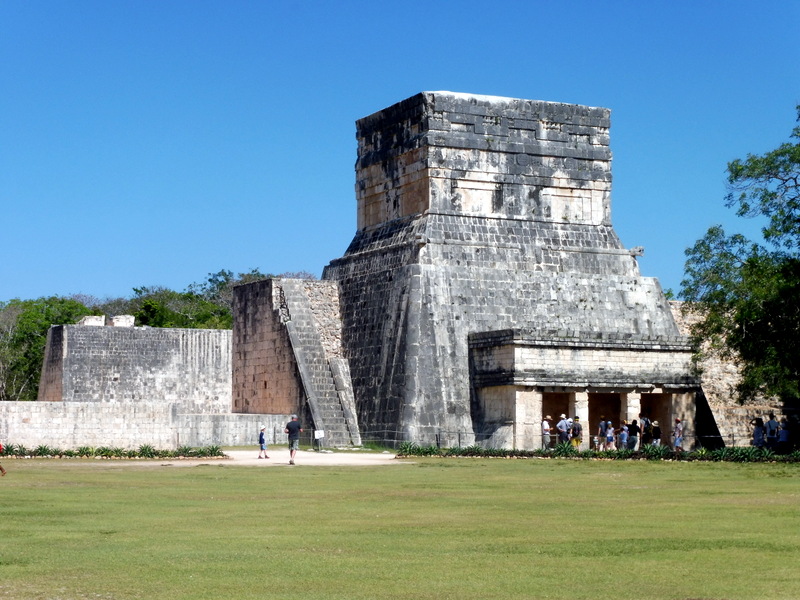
485, 286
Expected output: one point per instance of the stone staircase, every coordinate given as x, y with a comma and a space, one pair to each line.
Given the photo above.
332, 406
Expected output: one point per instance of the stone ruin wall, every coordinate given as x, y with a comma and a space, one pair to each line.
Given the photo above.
719, 377
125, 386
265, 377
191, 367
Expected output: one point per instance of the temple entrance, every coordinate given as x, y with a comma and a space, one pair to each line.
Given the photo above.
555, 404
605, 406
657, 407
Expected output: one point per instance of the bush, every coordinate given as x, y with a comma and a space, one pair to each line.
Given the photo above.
565, 450
147, 451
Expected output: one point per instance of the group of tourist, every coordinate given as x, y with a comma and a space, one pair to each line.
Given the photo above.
634, 435
631, 436
773, 435
567, 430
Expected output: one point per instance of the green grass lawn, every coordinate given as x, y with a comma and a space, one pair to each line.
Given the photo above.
431, 529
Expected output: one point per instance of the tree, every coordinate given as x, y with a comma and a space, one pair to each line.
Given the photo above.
23, 334
748, 293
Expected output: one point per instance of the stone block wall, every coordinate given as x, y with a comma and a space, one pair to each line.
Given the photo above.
191, 367
265, 375
532, 359
484, 155
70, 425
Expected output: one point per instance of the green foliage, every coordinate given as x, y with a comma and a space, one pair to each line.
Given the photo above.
565, 450
23, 334
144, 451
746, 292
656, 452
147, 451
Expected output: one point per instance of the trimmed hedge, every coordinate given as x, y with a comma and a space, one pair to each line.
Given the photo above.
144, 451
732, 454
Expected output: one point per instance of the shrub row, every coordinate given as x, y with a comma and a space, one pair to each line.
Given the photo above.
732, 454
143, 451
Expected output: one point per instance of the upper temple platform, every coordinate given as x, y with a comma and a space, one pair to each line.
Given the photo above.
487, 156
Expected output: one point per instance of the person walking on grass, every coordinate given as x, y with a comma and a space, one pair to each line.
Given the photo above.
2, 470
262, 444
294, 430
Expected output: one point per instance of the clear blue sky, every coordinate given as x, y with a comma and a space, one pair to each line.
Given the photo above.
152, 143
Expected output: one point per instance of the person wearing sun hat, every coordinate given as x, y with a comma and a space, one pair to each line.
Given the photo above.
656, 434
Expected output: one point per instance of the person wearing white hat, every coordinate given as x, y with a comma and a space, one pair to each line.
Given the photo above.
563, 430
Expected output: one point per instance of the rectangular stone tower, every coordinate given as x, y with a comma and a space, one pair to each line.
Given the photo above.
484, 231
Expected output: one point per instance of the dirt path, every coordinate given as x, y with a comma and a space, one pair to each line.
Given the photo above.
279, 457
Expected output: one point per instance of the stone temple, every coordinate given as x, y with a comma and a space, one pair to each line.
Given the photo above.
484, 289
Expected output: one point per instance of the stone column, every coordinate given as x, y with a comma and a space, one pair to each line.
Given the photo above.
528, 419
631, 407
579, 407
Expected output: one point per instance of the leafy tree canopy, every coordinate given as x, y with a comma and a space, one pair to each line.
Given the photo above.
748, 291
23, 334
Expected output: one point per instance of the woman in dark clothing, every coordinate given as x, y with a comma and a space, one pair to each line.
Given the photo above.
633, 435
656, 434
758, 432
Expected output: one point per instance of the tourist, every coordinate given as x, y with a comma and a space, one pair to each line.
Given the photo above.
609, 445
294, 430
656, 434
262, 443
677, 433
646, 427
772, 432
546, 432
633, 435
563, 430
2, 470
758, 432
576, 434
601, 434
623, 437
784, 441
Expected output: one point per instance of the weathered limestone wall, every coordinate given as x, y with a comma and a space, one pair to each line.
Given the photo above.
533, 359
191, 367
493, 156
719, 378
127, 386
478, 214
69, 425
265, 375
